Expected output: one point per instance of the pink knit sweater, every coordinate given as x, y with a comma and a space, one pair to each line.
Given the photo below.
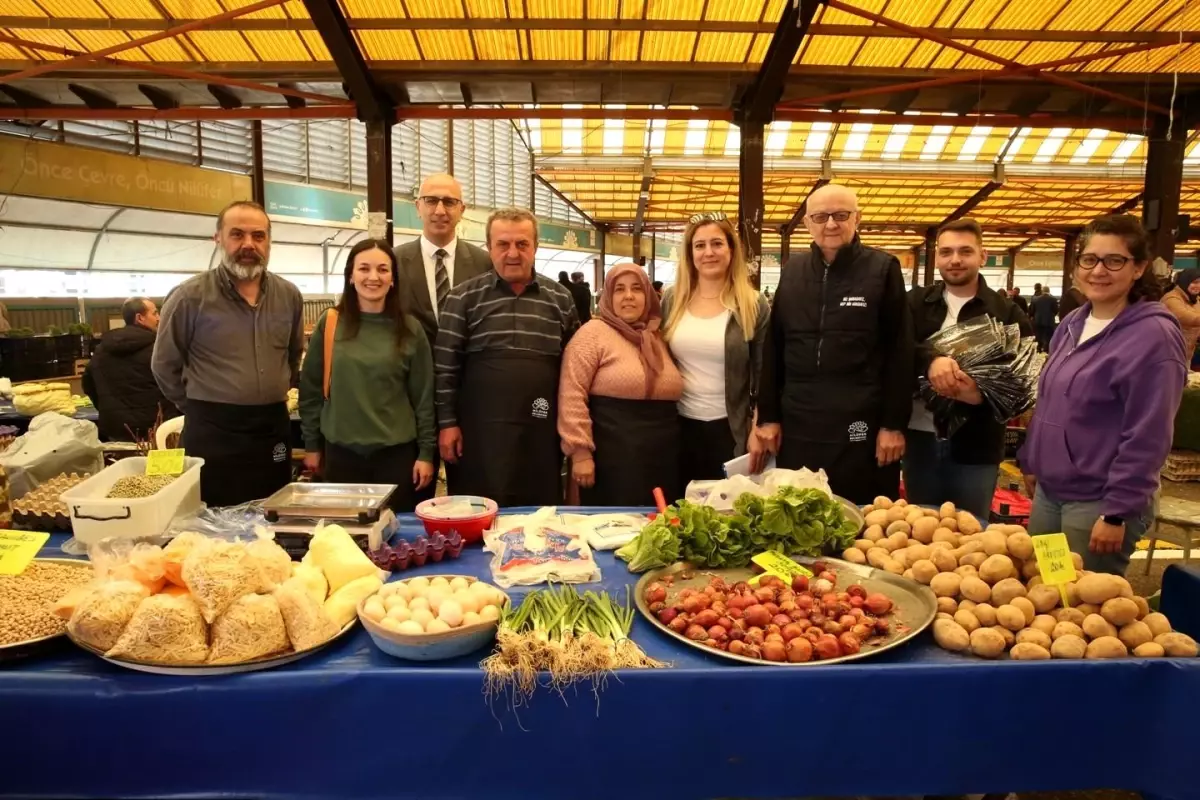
599, 361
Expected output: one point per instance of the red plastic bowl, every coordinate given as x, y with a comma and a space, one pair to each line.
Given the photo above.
470, 528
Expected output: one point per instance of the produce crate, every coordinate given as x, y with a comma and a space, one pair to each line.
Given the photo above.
1182, 465
1010, 508
95, 516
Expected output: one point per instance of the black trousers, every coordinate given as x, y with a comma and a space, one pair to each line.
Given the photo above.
387, 465
1044, 335
704, 447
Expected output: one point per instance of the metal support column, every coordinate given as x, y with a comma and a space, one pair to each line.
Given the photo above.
258, 189
930, 255
379, 178
598, 276
1012, 271
637, 249
653, 255
785, 244
750, 195
1164, 180
916, 267
1068, 270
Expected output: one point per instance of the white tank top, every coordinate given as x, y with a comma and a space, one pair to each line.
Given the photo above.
698, 346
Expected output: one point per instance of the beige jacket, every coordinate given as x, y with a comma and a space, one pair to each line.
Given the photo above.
1188, 315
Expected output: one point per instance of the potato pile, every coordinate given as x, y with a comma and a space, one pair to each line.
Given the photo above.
990, 593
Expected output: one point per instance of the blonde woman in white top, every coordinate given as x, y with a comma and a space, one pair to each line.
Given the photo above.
715, 325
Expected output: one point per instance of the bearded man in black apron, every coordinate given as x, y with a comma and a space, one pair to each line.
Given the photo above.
499, 347
227, 352
837, 385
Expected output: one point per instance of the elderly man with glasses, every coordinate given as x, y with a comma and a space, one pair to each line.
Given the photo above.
438, 261
837, 379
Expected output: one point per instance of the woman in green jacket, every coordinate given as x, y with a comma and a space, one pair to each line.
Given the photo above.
375, 423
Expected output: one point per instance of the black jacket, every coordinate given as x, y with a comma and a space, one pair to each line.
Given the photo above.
1043, 308
122, 387
1072, 299
981, 439
581, 293
1021, 303
840, 349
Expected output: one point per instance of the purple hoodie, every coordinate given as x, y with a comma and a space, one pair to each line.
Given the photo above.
1106, 409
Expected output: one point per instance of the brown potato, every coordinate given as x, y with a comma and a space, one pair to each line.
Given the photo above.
1126, 587
935, 545
1069, 646
1177, 645
1006, 590
1149, 650
985, 613
868, 508
901, 557
1106, 647
1119, 611
907, 575
947, 605
996, 568
876, 556
922, 529
966, 548
994, 543
1158, 623
878, 517
973, 560
967, 620
967, 522
898, 529
1044, 623
1077, 561
944, 615
1029, 651
1097, 627
987, 643
1044, 598
1036, 580
896, 514
932, 512
1020, 545
943, 559
1097, 588
1135, 634
893, 566
1035, 636
1026, 608
1066, 629
966, 571
901, 502
864, 545
854, 556
949, 523
945, 584
873, 533
916, 552
947, 511
923, 571
950, 635
914, 513
1072, 594
1010, 617
883, 502
1005, 634
1069, 615
1143, 606
946, 535
1029, 569
969, 605
974, 588
1088, 609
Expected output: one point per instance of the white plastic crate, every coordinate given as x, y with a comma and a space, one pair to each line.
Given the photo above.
95, 516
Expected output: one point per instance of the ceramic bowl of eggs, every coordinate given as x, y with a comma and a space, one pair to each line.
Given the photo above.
431, 618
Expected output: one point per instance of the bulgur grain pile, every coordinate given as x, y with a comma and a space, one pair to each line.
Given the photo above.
27, 600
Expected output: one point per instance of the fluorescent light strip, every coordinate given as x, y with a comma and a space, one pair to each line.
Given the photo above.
1087, 148
777, 138
936, 142
1051, 145
696, 137
818, 136
857, 140
974, 143
894, 146
1017, 144
1193, 156
657, 136
535, 134
1125, 149
572, 136
733, 141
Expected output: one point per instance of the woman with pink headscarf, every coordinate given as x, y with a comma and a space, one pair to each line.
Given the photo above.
617, 398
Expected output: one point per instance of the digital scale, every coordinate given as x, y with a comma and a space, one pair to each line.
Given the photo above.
294, 512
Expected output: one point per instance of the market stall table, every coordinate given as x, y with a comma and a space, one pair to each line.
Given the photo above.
352, 722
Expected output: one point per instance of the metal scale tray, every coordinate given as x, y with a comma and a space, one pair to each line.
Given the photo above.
358, 502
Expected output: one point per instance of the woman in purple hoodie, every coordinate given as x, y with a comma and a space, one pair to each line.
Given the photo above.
1107, 399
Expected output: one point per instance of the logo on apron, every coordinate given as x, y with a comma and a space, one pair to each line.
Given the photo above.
279, 453
858, 431
541, 408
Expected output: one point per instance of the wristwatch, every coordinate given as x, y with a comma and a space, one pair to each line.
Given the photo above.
1113, 519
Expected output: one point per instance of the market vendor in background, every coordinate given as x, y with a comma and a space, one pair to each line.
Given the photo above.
837, 381
1107, 399
497, 359
119, 379
1181, 301
431, 265
716, 327
617, 398
961, 469
373, 422
228, 350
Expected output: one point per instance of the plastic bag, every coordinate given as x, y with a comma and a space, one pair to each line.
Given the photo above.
165, 629
217, 573
117, 558
721, 495
539, 553
606, 531
100, 618
306, 622
235, 522
54, 444
250, 628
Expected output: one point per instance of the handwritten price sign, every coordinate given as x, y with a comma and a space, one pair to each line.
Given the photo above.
17, 549
780, 566
1054, 561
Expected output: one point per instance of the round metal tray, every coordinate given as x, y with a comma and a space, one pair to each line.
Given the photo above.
853, 512
200, 670
914, 605
42, 644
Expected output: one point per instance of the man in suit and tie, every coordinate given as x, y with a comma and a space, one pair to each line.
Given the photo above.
438, 261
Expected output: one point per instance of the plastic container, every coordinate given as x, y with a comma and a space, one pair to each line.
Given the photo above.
470, 526
95, 517
432, 646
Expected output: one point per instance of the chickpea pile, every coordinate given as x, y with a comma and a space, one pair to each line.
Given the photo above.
27, 600
136, 486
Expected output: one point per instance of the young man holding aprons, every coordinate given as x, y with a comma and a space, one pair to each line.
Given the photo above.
227, 352
499, 347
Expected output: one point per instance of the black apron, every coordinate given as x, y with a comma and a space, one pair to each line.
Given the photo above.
637, 449
508, 412
246, 450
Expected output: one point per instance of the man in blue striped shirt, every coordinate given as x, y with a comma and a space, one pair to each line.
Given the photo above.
497, 357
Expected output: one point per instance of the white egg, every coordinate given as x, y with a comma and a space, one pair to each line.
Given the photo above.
399, 613
421, 616
471, 618
402, 590
418, 603
468, 600
439, 582
451, 613
436, 597
459, 583
374, 609
489, 613
418, 585
480, 587
411, 627
437, 626
394, 601
387, 589
392, 625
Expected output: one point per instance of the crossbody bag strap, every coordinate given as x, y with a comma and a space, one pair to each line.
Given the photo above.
331, 321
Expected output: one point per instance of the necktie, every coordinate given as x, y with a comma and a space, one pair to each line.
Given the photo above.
441, 281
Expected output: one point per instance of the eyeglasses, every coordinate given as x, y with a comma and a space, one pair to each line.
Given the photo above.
820, 218
450, 203
1112, 263
709, 216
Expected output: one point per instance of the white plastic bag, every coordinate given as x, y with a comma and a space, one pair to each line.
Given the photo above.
721, 495
53, 445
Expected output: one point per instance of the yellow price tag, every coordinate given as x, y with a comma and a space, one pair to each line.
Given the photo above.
1054, 561
164, 462
780, 566
17, 549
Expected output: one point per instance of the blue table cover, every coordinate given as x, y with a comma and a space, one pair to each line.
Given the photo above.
352, 722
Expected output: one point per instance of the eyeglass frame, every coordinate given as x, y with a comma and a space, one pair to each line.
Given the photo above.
449, 203
829, 215
1126, 262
